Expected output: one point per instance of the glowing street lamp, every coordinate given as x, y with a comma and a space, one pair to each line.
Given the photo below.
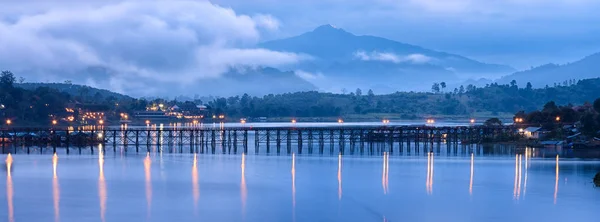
147, 122
195, 122
472, 121
243, 121
558, 119
340, 121
8, 122
54, 122
293, 120
100, 122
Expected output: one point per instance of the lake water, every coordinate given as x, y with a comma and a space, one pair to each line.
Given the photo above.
438, 186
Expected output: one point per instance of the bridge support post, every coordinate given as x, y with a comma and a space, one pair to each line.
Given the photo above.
278, 141
299, 142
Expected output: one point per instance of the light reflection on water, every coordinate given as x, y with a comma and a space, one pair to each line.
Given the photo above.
472, 174
9, 189
429, 182
195, 184
55, 189
363, 199
102, 195
385, 174
339, 176
148, 180
243, 188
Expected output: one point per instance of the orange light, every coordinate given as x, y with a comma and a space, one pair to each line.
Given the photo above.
147, 122
8, 121
340, 121
293, 120
557, 118
54, 122
242, 121
195, 122
100, 122
472, 120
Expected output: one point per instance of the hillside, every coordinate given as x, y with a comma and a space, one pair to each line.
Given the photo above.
549, 74
494, 98
74, 90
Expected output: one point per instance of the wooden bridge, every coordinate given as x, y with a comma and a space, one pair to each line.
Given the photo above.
239, 139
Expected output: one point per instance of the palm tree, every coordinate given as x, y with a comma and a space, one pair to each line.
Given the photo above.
443, 85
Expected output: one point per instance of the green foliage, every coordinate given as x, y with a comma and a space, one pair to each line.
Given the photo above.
7, 79
493, 122
597, 105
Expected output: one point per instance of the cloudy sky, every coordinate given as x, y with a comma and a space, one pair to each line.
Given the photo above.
188, 40
520, 33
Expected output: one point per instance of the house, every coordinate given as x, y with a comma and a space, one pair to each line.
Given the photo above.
533, 132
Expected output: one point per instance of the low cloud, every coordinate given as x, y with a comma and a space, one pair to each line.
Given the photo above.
176, 42
310, 77
391, 57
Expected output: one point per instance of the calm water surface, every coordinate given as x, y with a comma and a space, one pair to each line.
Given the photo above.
226, 187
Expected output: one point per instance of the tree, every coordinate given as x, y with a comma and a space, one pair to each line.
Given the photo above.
597, 105
461, 90
471, 88
344, 90
513, 83
7, 79
21, 79
358, 92
435, 87
493, 122
68, 82
443, 85
370, 93
529, 87
550, 107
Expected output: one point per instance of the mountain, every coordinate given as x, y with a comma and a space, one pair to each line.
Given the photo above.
74, 89
373, 60
255, 81
549, 74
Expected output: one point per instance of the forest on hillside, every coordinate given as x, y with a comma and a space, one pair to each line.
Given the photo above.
494, 98
39, 104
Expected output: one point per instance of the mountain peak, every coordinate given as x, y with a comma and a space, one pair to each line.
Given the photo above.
330, 29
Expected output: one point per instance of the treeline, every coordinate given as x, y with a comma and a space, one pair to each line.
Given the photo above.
493, 98
38, 104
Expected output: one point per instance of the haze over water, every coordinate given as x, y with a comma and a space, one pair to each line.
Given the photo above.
439, 186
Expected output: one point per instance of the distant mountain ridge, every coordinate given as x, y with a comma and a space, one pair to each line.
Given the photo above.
74, 89
586, 68
371, 60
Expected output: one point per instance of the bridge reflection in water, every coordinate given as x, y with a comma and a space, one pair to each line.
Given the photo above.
270, 140
342, 164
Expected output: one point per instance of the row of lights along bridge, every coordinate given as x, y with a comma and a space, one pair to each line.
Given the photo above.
243, 121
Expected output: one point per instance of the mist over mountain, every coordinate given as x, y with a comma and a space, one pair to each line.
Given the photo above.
549, 74
236, 81
349, 61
